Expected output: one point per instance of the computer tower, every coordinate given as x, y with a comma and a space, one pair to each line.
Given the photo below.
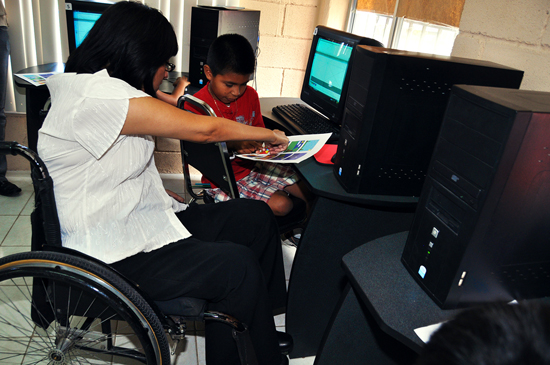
482, 227
393, 112
207, 24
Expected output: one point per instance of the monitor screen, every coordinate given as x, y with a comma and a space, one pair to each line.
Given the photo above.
81, 17
328, 69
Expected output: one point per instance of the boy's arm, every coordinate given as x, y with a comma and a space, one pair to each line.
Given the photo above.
179, 89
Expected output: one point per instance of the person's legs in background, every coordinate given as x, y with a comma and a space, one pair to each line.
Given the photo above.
6, 188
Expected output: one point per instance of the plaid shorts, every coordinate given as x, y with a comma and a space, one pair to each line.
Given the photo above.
264, 179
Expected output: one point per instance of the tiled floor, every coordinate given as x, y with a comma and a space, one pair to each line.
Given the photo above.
15, 237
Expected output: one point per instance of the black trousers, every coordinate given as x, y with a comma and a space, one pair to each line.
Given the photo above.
233, 260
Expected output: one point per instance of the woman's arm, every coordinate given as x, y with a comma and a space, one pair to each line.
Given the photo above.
149, 116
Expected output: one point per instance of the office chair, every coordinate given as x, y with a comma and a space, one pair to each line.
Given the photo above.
60, 306
214, 162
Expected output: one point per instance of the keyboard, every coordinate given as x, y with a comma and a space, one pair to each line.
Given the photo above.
305, 121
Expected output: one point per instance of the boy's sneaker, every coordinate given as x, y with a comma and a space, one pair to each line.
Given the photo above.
8, 189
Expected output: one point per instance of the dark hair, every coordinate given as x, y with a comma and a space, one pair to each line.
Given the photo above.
131, 41
231, 53
498, 334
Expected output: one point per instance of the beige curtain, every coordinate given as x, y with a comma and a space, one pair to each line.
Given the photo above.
386, 7
444, 12
38, 35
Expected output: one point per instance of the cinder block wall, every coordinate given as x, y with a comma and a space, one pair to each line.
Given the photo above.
16, 130
509, 32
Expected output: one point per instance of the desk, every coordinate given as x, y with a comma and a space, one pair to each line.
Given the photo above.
376, 319
36, 97
339, 223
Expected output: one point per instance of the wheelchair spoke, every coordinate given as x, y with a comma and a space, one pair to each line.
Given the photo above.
58, 309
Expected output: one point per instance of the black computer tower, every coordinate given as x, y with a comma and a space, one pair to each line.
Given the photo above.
393, 112
482, 227
207, 24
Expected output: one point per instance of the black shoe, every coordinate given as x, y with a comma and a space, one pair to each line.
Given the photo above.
8, 189
286, 343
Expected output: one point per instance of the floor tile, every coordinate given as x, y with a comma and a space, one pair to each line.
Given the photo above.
288, 257
13, 205
20, 233
10, 250
185, 352
6, 222
302, 361
201, 348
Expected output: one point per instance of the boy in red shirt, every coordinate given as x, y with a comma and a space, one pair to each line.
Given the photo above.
229, 66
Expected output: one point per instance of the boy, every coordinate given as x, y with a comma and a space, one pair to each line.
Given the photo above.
229, 66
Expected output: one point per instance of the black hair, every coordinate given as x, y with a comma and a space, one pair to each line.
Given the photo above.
231, 53
131, 41
498, 334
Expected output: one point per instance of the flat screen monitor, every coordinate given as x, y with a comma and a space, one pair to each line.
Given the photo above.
328, 69
81, 17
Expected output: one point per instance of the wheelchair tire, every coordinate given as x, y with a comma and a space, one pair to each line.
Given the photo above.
60, 309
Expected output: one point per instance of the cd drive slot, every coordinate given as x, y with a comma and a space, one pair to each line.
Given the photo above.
453, 177
444, 209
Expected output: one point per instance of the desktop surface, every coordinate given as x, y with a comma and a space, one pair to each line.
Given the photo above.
395, 300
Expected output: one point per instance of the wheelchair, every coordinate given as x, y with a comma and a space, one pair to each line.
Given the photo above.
60, 306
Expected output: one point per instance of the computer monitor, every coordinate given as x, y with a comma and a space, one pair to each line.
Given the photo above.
328, 70
81, 17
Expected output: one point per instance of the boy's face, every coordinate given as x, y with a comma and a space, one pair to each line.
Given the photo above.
228, 87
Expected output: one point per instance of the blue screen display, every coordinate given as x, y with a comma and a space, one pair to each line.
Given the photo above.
83, 22
329, 66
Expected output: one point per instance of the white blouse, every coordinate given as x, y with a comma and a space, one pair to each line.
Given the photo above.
110, 198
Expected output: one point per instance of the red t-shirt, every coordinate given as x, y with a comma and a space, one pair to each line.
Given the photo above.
245, 110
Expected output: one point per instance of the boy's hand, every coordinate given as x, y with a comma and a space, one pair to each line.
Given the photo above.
243, 147
179, 86
279, 144
175, 196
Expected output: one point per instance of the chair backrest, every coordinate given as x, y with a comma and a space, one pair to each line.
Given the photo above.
211, 159
45, 222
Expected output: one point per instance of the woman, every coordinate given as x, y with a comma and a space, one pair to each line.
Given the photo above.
97, 144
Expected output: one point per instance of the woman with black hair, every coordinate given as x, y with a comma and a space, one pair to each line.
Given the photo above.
97, 142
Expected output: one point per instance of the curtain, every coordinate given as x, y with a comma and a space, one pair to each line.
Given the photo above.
386, 7
38, 35
444, 12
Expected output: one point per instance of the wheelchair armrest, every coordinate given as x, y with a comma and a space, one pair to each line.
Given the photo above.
196, 102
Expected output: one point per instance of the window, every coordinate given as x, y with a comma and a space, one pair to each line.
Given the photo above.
428, 26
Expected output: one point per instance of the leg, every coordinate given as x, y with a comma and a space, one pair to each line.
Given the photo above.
225, 274
245, 222
280, 203
301, 191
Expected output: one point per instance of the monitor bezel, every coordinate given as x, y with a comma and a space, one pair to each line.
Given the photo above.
317, 100
89, 6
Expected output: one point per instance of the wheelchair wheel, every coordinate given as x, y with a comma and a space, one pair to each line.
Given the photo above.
60, 309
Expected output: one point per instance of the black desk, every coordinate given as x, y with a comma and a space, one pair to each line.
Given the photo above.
36, 97
339, 223
376, 319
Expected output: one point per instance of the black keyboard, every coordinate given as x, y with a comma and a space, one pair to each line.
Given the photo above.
305, 121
